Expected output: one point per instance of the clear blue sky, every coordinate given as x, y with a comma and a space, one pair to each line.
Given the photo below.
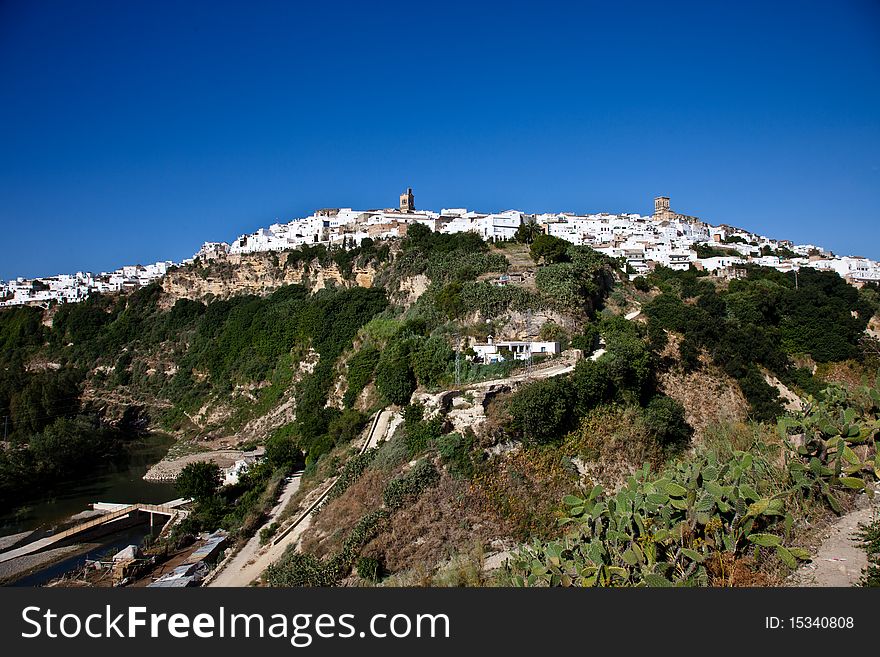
133, 131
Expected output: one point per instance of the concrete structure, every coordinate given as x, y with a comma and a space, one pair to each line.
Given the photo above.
125, 511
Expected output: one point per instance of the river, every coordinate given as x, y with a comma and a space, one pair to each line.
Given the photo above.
120, 481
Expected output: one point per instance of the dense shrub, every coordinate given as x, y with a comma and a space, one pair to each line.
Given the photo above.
360, 372
282, 452
420, 433
587, 340
297, 569
549, 249
199, 480
369, 568
395, 379
665, 419
541, 411
431, 360
456, 453
761, 321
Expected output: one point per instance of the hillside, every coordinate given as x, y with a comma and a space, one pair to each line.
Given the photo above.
660, 407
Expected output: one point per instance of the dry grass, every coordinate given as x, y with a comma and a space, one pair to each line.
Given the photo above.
524, 489
330, 527
612, 442
444, 522
709, 395
848, 373
728, 570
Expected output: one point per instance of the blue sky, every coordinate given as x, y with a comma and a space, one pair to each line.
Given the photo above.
133, 131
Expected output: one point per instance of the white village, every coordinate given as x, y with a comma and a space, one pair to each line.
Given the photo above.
666, 238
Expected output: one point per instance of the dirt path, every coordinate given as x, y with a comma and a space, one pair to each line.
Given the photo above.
541, 372
241, 569
839, 560
246, 566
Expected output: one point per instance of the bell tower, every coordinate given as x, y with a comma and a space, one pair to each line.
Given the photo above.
407, 201
661, 207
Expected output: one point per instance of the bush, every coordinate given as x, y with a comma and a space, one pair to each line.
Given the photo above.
431, 360
420, 433
346, 426
361, 367
591, 385
665, 419
266, 533
587, 340
548, 248
563, 284
762, 397
641, 284
282, 452
395, 380
455, 453
541, 411
869, 536
628, 359
369, 569
297, 569
199, 480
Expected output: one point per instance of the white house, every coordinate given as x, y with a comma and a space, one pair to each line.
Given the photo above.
492, 352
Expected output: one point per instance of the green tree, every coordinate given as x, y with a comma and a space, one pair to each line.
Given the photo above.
527, 232
448, 300
282, 452
199, 480
431, 360
395, 380
549, 249
665, 419
541, 411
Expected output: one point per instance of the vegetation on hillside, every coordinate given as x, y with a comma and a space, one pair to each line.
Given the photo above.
761, 322
596, 470
698, 521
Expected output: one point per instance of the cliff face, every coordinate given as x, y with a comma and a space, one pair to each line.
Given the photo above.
255, 273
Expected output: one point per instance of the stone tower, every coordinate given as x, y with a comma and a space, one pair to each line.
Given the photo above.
407, 201
661, 207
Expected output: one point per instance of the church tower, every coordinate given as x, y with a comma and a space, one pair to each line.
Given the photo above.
407, 201
661, 207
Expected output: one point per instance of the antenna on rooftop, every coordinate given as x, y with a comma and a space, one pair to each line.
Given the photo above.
457, 360
529, 337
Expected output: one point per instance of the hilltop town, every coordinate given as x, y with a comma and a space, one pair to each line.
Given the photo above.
666, 238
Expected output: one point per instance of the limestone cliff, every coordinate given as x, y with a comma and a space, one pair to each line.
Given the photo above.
256, 273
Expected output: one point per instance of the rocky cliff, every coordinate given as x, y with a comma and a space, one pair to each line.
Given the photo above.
257, 273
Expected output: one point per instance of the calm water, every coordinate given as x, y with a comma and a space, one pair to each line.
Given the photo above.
105, 546
116, 482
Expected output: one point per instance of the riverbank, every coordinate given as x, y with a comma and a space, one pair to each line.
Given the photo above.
167, 470
17, 569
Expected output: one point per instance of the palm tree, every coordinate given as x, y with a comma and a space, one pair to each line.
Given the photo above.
527, 232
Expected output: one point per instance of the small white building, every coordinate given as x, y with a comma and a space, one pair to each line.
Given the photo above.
493, 352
